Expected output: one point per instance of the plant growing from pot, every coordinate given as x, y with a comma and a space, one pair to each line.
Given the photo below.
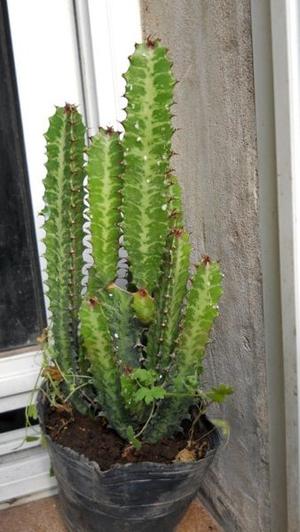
126, 340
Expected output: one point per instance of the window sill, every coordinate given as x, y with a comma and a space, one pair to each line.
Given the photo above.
18, 377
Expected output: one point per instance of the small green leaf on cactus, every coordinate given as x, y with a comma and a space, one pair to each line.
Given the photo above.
145, 376
144, 306
148, 395
219, 394
31, 411
135, 379
138, 386
158, 392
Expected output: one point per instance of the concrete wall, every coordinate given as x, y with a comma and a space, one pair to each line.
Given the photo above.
210, 43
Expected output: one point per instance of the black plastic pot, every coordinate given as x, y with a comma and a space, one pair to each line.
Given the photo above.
138, 497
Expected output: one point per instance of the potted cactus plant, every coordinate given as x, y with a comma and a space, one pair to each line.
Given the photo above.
129, 322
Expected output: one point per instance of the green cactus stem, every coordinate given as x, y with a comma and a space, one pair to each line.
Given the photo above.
200, 312
163, 333
156, 333
103, 363
147, 150
117, 305
63, 225
175, 293
104, 184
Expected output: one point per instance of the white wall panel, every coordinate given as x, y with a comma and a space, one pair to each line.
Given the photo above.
116, 27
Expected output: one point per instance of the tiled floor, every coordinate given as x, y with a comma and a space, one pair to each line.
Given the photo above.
43, 516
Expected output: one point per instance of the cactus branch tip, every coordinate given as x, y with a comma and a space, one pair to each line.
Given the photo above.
205, 260
110, 131
93, 301
151, 42
70, 108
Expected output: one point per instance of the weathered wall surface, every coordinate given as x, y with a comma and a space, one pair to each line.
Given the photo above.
210, 43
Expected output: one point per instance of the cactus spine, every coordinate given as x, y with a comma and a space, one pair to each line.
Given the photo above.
143, 345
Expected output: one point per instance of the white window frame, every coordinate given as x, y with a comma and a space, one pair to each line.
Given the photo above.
24, 466
285, 20
18, 377
276, 47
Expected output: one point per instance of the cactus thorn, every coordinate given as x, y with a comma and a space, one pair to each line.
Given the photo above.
150, 42
110, 131
206, 260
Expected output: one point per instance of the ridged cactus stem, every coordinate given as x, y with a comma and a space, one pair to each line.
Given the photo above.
63, 227
104, 170
200, 313
201, 310
117, 305
156, 354
176, 290
103, 360
162, 336
147, 150
77, 131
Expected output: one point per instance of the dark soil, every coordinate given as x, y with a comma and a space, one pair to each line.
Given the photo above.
96, 441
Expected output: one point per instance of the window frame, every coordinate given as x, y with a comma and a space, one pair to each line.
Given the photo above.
276, 37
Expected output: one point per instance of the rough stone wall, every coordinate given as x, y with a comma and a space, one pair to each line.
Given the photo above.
210, 43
